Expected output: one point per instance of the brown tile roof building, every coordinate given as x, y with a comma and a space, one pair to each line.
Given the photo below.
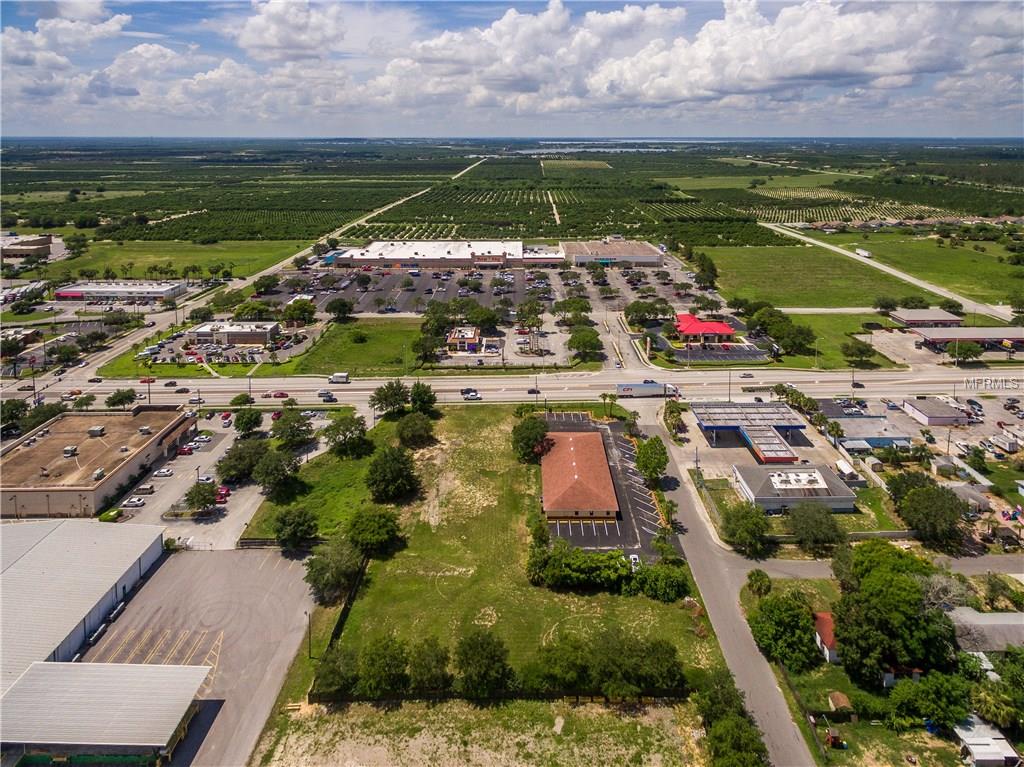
577, 482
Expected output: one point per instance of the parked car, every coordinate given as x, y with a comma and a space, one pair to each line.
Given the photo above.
203, 438
134, 502
205, 479
164, 472
275, 415
185, 450
95, 379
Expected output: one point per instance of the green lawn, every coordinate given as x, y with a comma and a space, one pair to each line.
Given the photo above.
465, 559
245, 257
330, 486
1005, 478
10, 318
833, 330
387, 349
793, 275
976, 275
742, 182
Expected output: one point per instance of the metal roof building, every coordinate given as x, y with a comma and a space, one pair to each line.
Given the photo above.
781, 487
60, 580
114, 707
760, 424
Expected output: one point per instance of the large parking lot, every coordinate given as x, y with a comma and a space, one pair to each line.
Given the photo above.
240, 612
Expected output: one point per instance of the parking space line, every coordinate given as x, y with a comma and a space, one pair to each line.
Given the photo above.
106, 644
170, 653
124, 643
156, 647
187, 658
139, 645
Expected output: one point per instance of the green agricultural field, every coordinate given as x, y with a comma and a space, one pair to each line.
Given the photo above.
804, 276
386, 350
244, 258
833, 330
742, 182
464, 562
574, 164
964, 270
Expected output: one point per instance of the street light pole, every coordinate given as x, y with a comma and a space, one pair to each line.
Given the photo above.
309, 634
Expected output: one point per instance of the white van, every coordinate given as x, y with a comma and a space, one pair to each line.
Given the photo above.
145, 490
338, 378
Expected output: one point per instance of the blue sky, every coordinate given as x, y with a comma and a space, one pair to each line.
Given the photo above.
297, 68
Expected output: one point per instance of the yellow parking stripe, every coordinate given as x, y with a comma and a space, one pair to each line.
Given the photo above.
192, 652
170, 653
127, 639
139, 645
102, 648
156, 647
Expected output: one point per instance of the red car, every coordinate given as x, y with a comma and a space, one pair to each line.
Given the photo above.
223, 490
225, 416
147, 380
280, 395
185, 451
221, 498
275, 415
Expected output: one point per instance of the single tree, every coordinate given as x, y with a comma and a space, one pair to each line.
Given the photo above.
758, 582
428, 667
248, 420
240, 400
294, 526
481, 662
964, 351
857, 351
745, 527
530, 439
422, 397
292, 429
333, 569
391, 475
238, 463
202, 495
121, 398
273, 470
340, 309
415, 430
652, 460
84, 402
373, 530
390, 397
382, 669
814, 527
346, 435
783, 628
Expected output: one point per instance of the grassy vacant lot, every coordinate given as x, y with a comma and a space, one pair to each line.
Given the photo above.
387, 349
742, 182
833, 330
245, 258
554, 734
330, 486
872, 514
465, 559
976, 275
10, 318
790, 275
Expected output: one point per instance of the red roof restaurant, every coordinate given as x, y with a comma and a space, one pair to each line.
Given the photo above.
694, 330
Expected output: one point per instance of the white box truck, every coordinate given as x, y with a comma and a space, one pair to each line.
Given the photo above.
338, 378
652, 389
1007, 443
862, 252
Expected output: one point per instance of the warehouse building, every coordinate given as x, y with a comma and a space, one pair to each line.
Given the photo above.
609, 251
778, 488
933, 412
865, 433
936, 318
24, 245
62, 580
261, 333
576, 479
74, 464
764, 426
135, 290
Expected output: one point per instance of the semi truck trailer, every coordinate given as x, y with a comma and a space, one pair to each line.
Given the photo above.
652, 389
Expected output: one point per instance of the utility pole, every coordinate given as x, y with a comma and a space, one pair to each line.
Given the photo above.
309, 634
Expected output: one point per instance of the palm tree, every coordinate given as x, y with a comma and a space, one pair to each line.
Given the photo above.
604, 399
612, 399
819, 420
921, 454
891, 455
834, 431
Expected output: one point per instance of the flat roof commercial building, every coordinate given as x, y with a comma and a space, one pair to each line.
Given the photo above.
61, 580
864, 433
926, 318
442, 254
611, 250
121, 291
760, 424
72, 465
261, 333
937, 336
933, 412
576, 479
23, 245
779, 488
464, 339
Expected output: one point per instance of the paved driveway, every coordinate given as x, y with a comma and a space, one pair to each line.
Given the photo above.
240, 612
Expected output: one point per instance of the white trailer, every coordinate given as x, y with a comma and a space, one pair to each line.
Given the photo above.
338, 378
1007, 443
863, 253
652, 389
